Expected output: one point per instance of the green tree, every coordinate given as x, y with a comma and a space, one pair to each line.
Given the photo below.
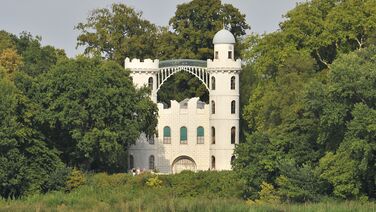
26, 163
91, 112
196, 22
350, 167
116, 33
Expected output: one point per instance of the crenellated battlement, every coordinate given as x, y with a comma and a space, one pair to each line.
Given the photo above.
224, 64
137, 64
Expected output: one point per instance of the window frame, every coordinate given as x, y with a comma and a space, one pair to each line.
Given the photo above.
166, 139
233, 107
233, 83
151, 84
213, 83
182, 141
200, 138
233, 135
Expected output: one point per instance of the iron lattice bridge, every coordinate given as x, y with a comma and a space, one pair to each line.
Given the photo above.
168, 68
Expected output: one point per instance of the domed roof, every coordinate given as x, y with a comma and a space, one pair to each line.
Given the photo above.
224, 37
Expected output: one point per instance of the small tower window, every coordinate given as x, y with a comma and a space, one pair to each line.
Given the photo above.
213, 135
200, 135
151, 162
233, 107
166, 135
131, 162
183, 135
216, 55
213, 162
213, 83
213, 107
150, 83
233, 83
229, 54
233, 133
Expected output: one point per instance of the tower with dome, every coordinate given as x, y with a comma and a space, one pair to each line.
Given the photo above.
191, 135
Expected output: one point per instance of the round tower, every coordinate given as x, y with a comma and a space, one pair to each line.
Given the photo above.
224, 100
144, 74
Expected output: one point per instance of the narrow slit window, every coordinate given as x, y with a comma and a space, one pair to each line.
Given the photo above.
233, 134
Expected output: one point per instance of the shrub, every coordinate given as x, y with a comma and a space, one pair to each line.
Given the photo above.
75, 180
154, 182
57, 180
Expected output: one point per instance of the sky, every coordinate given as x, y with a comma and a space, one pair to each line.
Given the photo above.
54, 20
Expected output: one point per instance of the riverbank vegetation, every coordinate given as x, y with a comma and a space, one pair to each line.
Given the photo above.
203, 191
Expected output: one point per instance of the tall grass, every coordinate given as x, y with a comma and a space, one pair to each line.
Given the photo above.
126, 193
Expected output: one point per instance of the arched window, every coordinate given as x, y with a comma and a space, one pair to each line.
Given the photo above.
213, 83
233, 107
151, 162
233, 133
150, 83
232, 159
213, 135
131, 162
212, 162
213, 107
166, 135
183, 135
233, 83
200, 135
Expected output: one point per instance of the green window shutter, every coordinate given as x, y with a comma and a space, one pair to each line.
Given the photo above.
166, 132
200, 131
183, 134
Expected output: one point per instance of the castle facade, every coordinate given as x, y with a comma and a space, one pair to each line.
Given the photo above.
191, 135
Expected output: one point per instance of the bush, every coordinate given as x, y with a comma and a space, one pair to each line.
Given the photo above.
154, 182
75, 180
57, 180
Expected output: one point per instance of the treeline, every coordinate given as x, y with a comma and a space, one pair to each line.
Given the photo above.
57, 113
311, 111
308, 98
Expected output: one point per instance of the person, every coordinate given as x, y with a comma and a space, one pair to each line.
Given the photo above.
133, 172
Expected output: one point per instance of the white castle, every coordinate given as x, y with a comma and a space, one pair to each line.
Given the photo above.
192, 135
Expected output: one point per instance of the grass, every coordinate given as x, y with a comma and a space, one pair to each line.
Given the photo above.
125, 193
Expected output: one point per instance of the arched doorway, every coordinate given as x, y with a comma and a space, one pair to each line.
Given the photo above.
183, 163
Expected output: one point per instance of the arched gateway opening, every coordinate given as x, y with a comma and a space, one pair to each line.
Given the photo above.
181, 79
183, 163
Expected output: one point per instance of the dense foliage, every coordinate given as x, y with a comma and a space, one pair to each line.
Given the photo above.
311, 115
57, 112
123, 192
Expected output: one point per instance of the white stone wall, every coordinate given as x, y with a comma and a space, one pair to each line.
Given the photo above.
165, 154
